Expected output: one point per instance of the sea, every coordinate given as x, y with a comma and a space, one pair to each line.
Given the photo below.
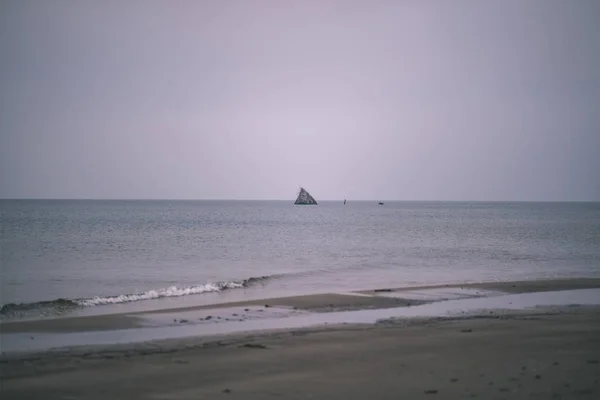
82, 257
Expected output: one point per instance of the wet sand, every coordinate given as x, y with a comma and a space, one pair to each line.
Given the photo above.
549, 353
550, 356
327, 302
508, 287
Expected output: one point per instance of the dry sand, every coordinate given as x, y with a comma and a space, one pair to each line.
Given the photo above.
526, 355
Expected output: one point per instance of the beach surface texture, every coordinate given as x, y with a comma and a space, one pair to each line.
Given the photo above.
512, 340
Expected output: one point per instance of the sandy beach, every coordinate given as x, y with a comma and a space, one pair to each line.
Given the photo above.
549, 352
304, 200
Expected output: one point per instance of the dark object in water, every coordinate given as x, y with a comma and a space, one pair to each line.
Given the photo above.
380, 203
304, 198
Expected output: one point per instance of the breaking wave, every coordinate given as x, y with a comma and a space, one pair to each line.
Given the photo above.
61, 305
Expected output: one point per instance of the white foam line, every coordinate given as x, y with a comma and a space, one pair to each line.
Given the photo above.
172, 291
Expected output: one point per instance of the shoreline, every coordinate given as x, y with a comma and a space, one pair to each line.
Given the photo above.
314, 303
540, 340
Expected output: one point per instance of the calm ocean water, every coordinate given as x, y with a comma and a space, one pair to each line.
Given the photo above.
126, 255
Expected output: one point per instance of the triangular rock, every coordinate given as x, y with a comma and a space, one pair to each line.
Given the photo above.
305, 198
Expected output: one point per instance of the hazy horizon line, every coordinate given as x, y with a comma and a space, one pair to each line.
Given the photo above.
292, 200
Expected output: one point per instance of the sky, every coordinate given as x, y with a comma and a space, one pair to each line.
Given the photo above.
235, 99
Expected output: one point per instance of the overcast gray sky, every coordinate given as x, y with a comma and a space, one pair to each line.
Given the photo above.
407, 100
